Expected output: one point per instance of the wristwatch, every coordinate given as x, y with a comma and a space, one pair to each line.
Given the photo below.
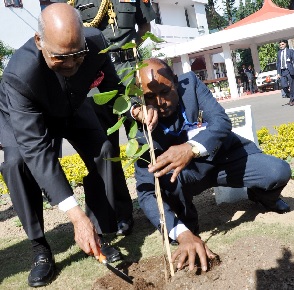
195, 150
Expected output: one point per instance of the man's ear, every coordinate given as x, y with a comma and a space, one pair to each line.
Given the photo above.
38, 41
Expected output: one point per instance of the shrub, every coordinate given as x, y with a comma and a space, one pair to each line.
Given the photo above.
75, 170
280, 144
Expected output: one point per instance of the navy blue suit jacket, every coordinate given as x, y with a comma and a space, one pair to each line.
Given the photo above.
221, 143
289, 60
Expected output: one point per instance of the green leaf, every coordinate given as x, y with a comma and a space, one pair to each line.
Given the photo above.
131, 74
117, 159
121, 71
132, 147
133, 129
103, 98
129, 45
152, 37
107, 48
116, 126
121, 105
132, 161
141, 150
135, 91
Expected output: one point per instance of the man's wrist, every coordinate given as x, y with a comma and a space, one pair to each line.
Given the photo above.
195, 150
67, 204
177, 230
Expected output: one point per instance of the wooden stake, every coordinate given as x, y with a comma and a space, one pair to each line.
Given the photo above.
157, 186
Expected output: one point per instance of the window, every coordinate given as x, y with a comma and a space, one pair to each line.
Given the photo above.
187, 18
13, 3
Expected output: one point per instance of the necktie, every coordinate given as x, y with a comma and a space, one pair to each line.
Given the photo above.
283, 59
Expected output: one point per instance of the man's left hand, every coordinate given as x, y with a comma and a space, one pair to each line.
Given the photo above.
189, 247
175, 158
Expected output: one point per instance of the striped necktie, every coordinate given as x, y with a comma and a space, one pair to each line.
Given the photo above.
283, 59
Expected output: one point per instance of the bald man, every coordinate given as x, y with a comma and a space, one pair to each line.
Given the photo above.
196, 150
42, 97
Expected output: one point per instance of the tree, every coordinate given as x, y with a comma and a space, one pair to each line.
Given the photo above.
5, 51
214, 20
229, 10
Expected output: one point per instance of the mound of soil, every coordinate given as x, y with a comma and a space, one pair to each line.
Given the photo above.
248, 264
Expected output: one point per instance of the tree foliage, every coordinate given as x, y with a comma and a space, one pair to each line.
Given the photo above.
267, 53
5, 51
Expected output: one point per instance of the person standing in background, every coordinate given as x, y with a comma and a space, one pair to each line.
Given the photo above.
250, 77
285, 70
244, 77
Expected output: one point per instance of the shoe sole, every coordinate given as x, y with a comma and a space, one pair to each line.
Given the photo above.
43, 283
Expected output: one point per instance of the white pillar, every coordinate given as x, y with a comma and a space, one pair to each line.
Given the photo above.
185, 63
230, 71
209, 66
255, 57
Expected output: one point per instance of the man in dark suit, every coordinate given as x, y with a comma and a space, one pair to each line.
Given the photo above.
194, 154
251, 77
42, 97
126, 16
285, 70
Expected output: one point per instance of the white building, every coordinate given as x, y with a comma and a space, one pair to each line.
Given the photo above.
177, 21
181, 21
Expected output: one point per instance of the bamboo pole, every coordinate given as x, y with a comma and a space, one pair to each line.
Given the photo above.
157, 190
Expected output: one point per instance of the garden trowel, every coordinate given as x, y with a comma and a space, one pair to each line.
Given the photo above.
102, 259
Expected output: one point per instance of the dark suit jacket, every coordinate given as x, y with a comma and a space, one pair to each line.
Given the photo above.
289, 60
36, 102
221, 143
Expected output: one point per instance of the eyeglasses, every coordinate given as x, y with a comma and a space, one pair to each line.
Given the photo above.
59, 58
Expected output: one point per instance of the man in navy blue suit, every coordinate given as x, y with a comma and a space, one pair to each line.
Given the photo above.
196, 150
285, 69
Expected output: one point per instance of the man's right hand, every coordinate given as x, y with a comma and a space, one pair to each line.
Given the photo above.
190, 246
85, 233
152, 116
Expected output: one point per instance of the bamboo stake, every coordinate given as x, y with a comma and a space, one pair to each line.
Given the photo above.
157, 185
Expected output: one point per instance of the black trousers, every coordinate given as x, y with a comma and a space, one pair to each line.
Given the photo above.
119, 196
93, 147
287, 83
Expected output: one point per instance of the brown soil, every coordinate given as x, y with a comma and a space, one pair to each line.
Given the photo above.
251, 262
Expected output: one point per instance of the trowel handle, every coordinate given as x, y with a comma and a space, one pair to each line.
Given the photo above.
101, 258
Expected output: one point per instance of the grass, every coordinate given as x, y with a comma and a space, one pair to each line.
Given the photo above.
76, 271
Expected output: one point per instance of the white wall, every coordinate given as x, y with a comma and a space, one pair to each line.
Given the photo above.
192, 17
173, 15
177, 68
17, 25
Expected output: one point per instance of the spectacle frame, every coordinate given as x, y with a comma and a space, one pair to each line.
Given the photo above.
59, 58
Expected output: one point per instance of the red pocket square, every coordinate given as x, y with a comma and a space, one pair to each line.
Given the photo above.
98, 80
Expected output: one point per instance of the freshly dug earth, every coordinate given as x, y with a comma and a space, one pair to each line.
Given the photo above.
255, 248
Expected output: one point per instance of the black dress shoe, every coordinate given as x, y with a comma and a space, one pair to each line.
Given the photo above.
125, 227
280, 206
43, 270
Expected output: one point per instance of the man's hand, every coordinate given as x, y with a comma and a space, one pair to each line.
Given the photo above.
175, 158
152, 116
189, 247
85, 234
278, 76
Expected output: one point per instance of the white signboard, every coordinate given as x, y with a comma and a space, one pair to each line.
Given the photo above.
243, 125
